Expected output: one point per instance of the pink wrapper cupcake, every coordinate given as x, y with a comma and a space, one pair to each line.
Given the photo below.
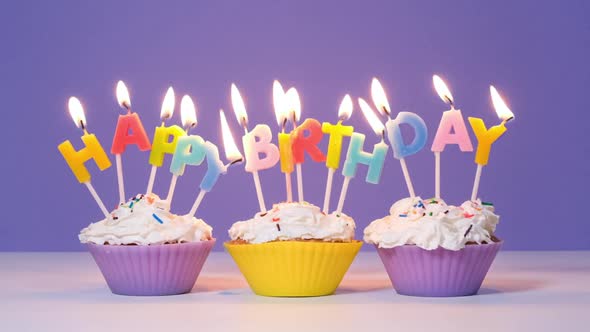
432, 249
142, 249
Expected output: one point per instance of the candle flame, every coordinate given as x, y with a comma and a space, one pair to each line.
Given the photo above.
232, 153
77, 112
345, 109
293, 104
502, 109
441, 88
188, 112
123, 95
379, 97
239, 106
168, 105
371, 117
279, 101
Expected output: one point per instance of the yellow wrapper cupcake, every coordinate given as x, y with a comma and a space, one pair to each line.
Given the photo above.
294, 250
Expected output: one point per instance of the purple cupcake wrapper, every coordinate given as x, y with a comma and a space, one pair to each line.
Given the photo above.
152, 270
440, 272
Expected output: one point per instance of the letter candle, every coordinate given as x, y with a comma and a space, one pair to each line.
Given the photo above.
294, 109
356, 155
285, 150
214, 165
92, 150
191, 150
400, 149
451, 130
165, 138
336, 132
485, 137
255, 142
129, 130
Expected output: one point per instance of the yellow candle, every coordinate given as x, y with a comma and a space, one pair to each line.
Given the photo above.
485, 138
286, 153
336, 132
165, 139
77, 159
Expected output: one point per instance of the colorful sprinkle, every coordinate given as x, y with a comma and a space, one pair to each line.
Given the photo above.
468, 230
431, 214
467, 215
276, 219
131, 205
157, 218
487, 203
150, 200
279, 227
433, 201
447, 211
403, 215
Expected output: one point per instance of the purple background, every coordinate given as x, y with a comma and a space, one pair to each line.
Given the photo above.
535, 52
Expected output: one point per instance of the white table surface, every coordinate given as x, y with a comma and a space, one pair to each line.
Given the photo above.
524, 291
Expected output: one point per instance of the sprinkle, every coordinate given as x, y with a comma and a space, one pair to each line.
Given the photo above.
431, 214
115, 218
423, 214
131, 205
263, 214
420, 204
403, 215
157, 218
279, 227
467, 215
276, 219
324, 213
150, 200
468, 230
447, 211
433, 201
487, 203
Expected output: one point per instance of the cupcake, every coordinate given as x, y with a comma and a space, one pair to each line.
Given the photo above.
430, 248
294, 250
142, 249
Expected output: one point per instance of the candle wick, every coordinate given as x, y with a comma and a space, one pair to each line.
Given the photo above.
450, 101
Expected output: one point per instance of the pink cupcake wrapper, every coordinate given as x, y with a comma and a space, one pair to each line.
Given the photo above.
440, 272
154, 270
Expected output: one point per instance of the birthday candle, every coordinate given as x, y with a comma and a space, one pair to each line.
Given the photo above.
189, 149
285, 151
356, 155
305, 138
165, 138
255, 142
451, 130
485, 137
129, 130
76, 160
336, 132
399, 147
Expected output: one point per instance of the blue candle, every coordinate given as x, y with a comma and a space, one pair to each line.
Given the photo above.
215, 167
356, 155
400, 149
190, 150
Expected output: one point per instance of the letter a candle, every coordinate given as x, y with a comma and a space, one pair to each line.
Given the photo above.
129, 130
451, 130
485, 137
337, 133
255, 142
92, 150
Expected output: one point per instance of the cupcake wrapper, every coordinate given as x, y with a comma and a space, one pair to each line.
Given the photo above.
438, 273
153, 270
294, 268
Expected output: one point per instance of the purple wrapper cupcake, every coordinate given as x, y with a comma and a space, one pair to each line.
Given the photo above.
433, 249
165, 269
143, 249
440, 272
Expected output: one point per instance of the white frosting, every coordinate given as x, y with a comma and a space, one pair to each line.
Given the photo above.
134, 223
430, 224
292, 221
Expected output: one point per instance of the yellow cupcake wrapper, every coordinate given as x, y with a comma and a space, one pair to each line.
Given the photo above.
294, 268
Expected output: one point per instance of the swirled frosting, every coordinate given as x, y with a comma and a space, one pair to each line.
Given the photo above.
145, 220
294, 221
432, 223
